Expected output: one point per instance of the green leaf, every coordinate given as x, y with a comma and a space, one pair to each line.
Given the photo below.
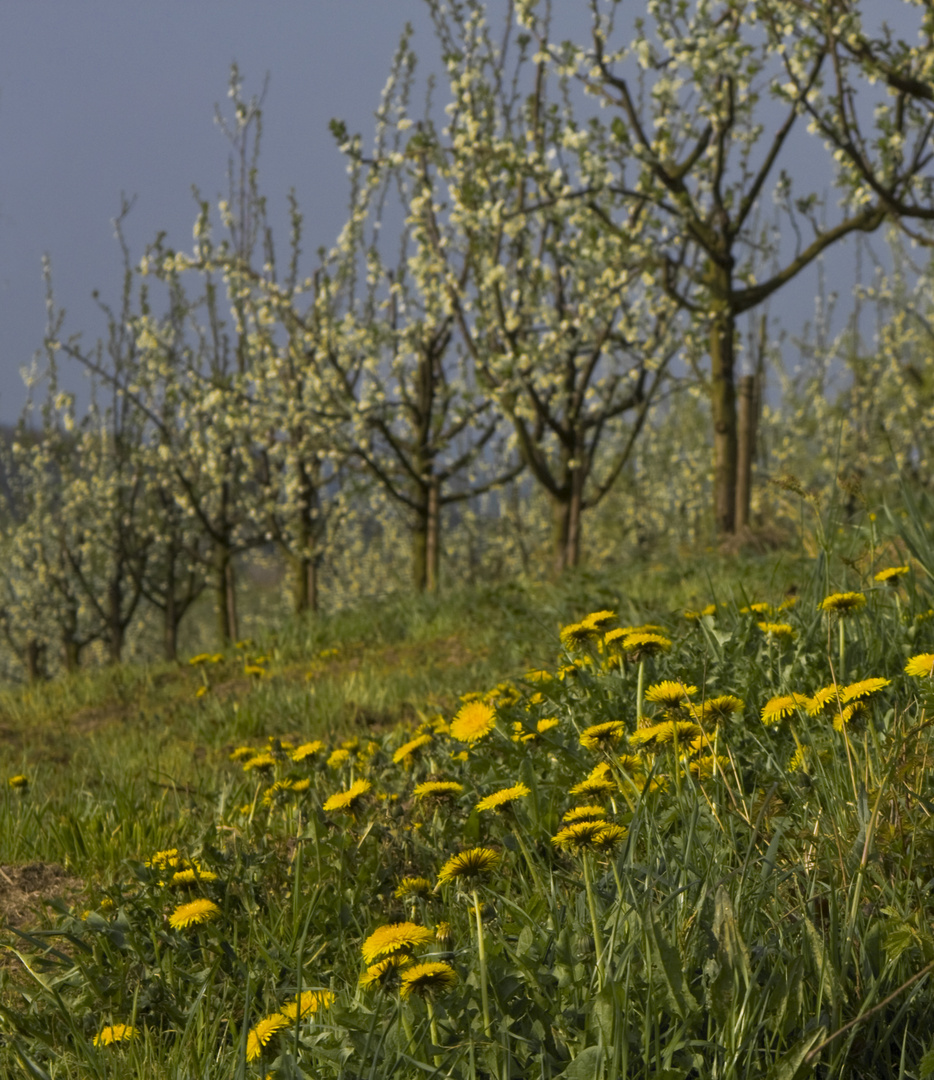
588, 1065
669, 964
791, 1066
926, 1065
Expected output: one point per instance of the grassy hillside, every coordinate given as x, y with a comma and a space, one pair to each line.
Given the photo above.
651, 843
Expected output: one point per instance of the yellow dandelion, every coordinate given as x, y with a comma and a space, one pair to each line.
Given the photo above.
393, 938
426, 978
501, 799
579, 835
856, 709
799, 760
262, 1032
254, 670
546, 724
438, 789
584, 813
406, 752
243, 753
779, 630
703, 767
577, 636
193, 914
307, 1005
163, 860
668, 731
602, 736
261, 762
891, 575
842, 603
473, 721
443, 932
784, 705
863, 688
641, 643
192, 875
759, 608
471, 863
385, 972
921, 666
19, 782
538, 675
717, 709
696, 616
598, 782
114, 1033
669, 694
307, 750
201, 691
338, 757
599, 620
412, 886
201, 658
344, 802
610, 836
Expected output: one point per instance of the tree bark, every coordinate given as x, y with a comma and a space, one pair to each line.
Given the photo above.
433, 537
566, 530
723, 407
33, 660
169, 620
115, 627
225, 595
746, 444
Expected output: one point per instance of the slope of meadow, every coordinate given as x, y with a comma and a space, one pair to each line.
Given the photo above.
650, 825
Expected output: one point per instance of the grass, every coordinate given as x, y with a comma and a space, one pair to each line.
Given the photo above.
737, 897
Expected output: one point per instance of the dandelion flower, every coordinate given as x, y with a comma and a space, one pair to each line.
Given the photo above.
610, 836
443, 932
584, 813
759, 608
201, 658
600, 620
891, 574
261, 1033
473, 721
669, 694
394, 938
306, 1005
703, 767
849, 712
921, 665
696, 616
426, 978
243, 753
579, 835
163, 860
502, 798
780, 630
863, 689
469, 864
538, 675
338, 757
19, 781
777, 708
602, 736
406, 752
576, 636
599, 782
658, 735
261, 762
114, 1033
193, 914
842, 603
718, 709
547, 724
643, 643
344, 802
192, 875
307, 750
824, 700
385, 971
412, 886
437, 789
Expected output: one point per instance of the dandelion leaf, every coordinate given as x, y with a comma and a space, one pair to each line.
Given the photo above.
667, 964
587, 1065
793, 1065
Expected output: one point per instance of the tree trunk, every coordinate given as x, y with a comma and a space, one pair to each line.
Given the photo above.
566, 532
433, 537
169, 619
115, 627
304, 583
33, 660
225, 596
723, 408
746, 445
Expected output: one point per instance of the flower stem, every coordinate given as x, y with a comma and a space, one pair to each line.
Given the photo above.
481, 952
842, 623
433, 1027
594, 922
639, 684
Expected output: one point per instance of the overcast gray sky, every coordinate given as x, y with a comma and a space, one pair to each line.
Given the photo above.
104, 97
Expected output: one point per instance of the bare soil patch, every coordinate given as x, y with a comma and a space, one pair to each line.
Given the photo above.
23, 889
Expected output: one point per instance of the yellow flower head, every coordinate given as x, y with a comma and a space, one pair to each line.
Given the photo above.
668, 731
438, 789
473, 720
643, 643
599, 620
384, 972
243, 753
262, 1032
306, 1005
862, 689
261, 762
780, 630
469, 864
577, 636
584, 834
537, 676
193, 874
842, 603
20, 782
921, 666
599, 782
114, 1033
412, 886
394, 938
669, 694
703, 767
426, 978
760, 608
891, 575
406, 752
193, 914
717, 709
777, 708
584, 813
338, 757
499, 800
602, 736
546, 724
344, 802
307, 750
